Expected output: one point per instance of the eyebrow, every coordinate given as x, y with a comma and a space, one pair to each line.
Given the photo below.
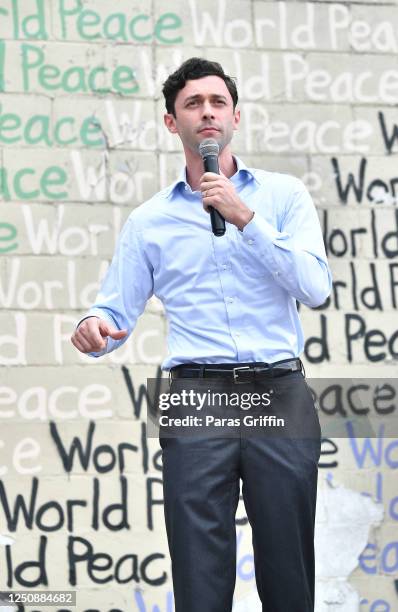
199, 96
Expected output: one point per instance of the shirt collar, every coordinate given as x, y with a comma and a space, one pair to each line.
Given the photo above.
182, 177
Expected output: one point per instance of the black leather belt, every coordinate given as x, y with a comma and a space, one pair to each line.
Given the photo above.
237, 372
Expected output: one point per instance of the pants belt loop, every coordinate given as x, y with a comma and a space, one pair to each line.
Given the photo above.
201, 371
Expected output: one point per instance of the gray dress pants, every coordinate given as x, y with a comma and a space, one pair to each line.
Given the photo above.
201, 483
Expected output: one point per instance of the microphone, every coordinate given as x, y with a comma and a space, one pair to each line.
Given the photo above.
209, 150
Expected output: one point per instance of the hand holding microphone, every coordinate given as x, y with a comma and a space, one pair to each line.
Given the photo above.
223, 202
209, 150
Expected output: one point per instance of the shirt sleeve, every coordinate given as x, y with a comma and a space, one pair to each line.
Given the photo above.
127, 286
295, 255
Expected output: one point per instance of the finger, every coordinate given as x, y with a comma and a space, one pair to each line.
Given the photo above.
105, 329
77, 344
82, 344
96, 343
109, 330
209, 176
213, 191
207, 194
212, 176
91, 336
209, 185
212, 200
117, 334
94, 347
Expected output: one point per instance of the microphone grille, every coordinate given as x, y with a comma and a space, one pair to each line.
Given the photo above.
208, 146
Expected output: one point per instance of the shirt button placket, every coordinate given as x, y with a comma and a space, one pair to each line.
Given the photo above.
222, 248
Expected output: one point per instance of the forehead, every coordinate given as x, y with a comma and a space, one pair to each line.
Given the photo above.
206, 86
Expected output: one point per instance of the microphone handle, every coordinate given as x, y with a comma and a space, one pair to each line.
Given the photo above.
217, 221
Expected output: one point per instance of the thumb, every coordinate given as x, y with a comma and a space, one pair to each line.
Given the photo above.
107, 330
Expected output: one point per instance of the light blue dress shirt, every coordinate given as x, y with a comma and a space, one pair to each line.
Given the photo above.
227, 299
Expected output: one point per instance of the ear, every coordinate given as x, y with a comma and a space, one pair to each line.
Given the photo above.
236, 119
170, 123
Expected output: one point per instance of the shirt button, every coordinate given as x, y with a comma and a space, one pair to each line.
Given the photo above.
230, 300
250, 241
276, 273
225, 267
186, 187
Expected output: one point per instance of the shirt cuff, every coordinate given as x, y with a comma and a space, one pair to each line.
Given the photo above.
262, 239
259, 230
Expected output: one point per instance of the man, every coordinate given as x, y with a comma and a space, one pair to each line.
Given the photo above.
231, 306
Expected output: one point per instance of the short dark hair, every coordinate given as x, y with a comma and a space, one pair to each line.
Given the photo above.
191, 69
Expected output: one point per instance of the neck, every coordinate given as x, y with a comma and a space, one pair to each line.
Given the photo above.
195, 169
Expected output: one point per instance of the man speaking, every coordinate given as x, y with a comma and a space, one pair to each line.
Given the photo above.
229, 282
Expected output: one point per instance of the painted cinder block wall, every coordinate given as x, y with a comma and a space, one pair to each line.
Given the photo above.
82, 144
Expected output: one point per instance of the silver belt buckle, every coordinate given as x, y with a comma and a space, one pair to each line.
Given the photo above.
235, 374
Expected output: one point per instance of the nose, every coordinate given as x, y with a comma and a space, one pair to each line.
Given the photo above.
207, 111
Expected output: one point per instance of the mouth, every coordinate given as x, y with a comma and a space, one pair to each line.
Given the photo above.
209, 129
